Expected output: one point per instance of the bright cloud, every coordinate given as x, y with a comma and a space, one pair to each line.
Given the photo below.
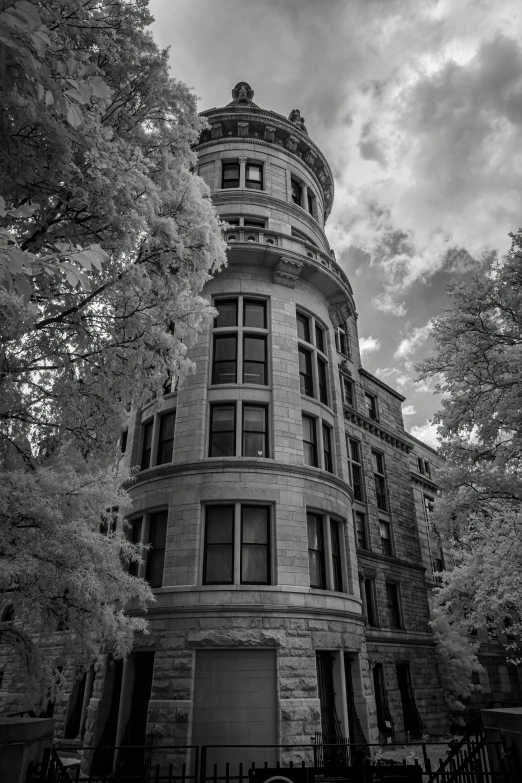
409, 410
369, 344
417, 338
426, 432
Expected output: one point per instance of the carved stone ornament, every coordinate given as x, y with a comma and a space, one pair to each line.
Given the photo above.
242, 129
291, 143
309, 158
322, 176
339, 313
242, 95
345, 367
217, 131
295, 117
287, 271
269, 133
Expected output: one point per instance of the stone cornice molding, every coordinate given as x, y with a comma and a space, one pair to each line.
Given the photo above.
312, 157
226, 464
395, 636
362, 554
257, 197
287, 271
354, 417
424, 482
380, 383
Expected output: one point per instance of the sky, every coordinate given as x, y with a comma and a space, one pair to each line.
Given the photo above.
417, 105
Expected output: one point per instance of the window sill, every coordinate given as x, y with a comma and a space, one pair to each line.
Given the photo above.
265, 387
318, 402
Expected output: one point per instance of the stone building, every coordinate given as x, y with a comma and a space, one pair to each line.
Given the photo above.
276, 493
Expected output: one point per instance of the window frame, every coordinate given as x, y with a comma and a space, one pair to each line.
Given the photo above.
347, 398
358, 465
313, 332
381, 495
364, 530
237, 543
153, 551
342, 340
161, 419
306, 378
386, 549
370, 609
268, 545
240, 332
231, 544
313, 443
259, 166
372, 410
228, 163
213, 407
321, 551
296, 191
398, 607
328, 461
261, 406
147, 426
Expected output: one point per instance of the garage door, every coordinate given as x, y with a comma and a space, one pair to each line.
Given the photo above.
235, 704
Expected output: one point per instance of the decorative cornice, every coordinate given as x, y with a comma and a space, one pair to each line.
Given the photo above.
221, 465
362, 554
287, 271
424, 482
311, 156
339, 313
380, 383
354, 417
382, 636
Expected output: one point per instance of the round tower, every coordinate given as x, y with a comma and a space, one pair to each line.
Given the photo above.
244, 492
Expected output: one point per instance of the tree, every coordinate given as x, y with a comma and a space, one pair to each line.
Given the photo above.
478, 364
106, 239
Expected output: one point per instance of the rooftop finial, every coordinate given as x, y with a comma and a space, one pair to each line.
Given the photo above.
295, 117
242, 95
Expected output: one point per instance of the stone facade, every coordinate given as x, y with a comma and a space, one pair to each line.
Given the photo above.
279, 256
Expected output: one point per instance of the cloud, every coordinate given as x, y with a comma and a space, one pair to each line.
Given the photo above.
410, 344
369, 344
426, 432
386, 303
409, 410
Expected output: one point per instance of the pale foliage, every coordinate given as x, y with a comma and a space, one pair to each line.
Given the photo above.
478, 366
106, 239
456, 657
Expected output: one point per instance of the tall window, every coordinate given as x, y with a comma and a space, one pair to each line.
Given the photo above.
369, 600
337, 567
316, 559
255, 545
146, 450
321, 377
310, 203
254, 176
305, 372
255, 435
243, 527
360, 530
230, 174
424, 466
325, 552
123, 441
313, 364
380, 480
218, 566
133, 533
327, 449
393, 602
166, 438
309, 441
222, 431
384, 720
296, 191
371, 406
156, 553
356, 474
428, 511
385, 533
347, 391
240, 342
341, 340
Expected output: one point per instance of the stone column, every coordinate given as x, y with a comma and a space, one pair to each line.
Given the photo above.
242, 171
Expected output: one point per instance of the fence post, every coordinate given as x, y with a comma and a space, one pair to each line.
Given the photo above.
203, 764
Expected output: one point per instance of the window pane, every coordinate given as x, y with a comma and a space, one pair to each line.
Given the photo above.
327, 448
357, 483
254, 444
220, 524
224, 370
254, 314
254, 418
315, 550
296, 192
360, 530
255, 525
254, 564
335, 535
354, 449
227, 313
222, 431
319, 338
166, 438
254, 360
305, 372
254, 172
309, 429
219, 564
156, 554
315, 539
303, 327
348, 391
323, 390
147, 445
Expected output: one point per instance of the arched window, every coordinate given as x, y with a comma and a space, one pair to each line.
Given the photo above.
8, 614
